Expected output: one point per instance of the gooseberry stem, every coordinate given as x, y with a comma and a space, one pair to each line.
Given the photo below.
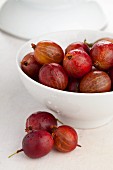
79, 145
15, 153
28, 129
89, 44
59, 121
33, 46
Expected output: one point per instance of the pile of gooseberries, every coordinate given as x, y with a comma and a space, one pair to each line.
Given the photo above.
80, 67
44, 134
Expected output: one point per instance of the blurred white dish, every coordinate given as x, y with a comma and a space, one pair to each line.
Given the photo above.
28, 19
77, 109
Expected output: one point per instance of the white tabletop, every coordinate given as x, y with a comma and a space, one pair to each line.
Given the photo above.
16, 104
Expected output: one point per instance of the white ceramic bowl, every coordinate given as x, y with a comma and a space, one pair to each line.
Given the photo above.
67, 14
77, 109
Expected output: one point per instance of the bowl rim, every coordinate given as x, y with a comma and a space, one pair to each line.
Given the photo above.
47, 87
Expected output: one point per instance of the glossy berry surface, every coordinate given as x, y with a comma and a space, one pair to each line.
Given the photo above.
65, 138
77, 63
48, 52
40, 121
105, 38
30, 66
73, 85
102, 55
110, 73
77, 45
53, 75
37, 144
95, 82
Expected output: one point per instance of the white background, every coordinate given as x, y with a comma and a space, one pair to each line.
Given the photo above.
16, 104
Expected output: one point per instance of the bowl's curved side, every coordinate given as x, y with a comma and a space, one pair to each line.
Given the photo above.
81, 111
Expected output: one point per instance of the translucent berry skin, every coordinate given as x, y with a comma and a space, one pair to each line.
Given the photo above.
53, 75
30, 66
77, 63
37, 144
40, 121
105, 38
102, 55
65, 138
73, 85
95, 82
110, 73
48, 52
77, 45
